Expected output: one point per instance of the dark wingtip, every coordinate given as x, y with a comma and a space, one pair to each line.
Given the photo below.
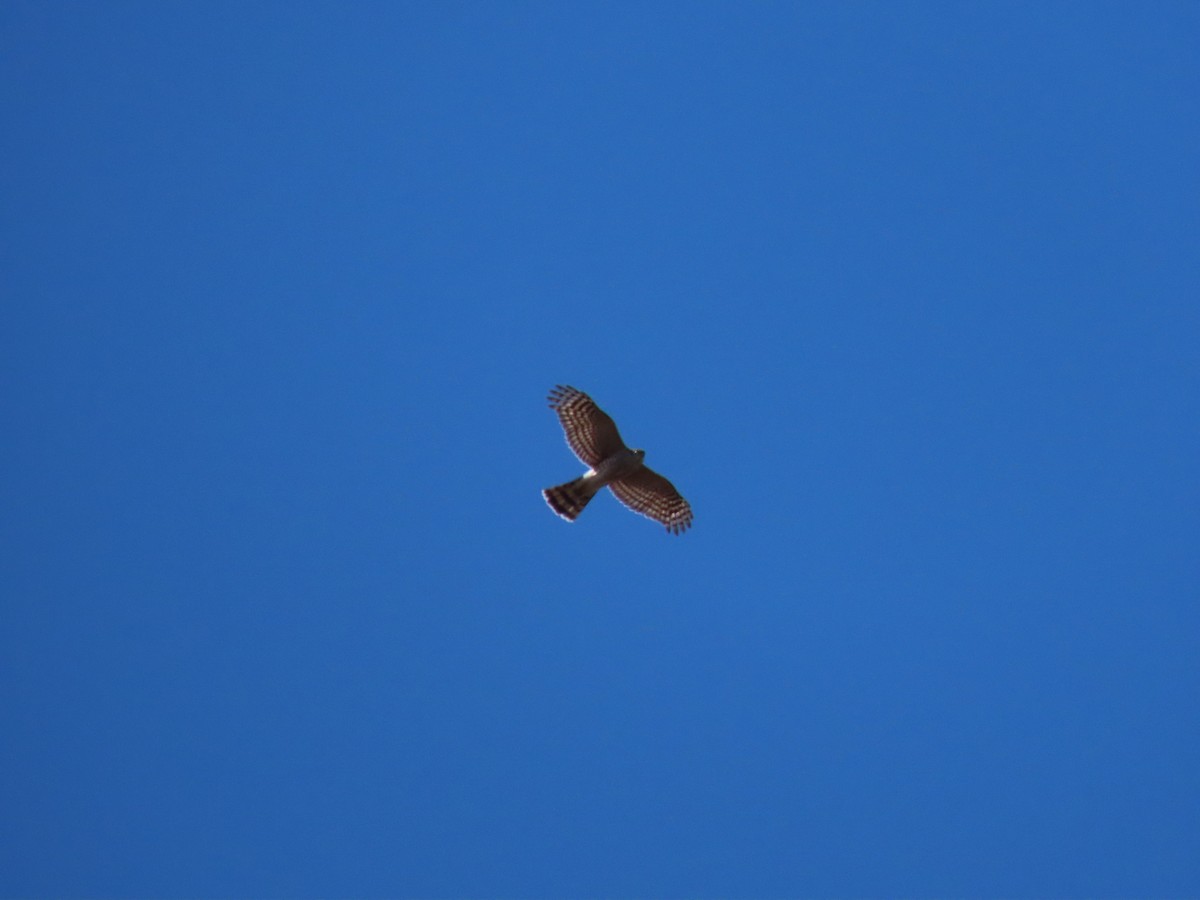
556, 395
679, 527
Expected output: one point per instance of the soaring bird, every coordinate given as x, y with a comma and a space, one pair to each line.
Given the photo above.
593, 435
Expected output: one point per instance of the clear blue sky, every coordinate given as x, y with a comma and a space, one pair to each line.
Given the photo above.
904, 297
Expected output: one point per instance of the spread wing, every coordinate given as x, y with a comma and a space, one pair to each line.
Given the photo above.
589, 430
648, 493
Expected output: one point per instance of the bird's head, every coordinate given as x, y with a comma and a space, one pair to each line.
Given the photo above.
640, 454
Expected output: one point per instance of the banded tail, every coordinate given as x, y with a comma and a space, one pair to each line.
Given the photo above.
568, 500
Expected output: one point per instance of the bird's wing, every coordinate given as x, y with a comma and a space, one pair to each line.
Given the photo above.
646, 492
589, 430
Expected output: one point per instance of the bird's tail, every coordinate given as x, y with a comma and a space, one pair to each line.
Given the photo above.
568, 500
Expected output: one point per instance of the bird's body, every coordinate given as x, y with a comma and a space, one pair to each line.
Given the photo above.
593, 435
568, 500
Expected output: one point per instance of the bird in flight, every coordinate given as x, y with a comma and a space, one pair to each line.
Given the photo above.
593, 435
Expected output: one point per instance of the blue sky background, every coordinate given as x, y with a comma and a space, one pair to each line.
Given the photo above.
904, 297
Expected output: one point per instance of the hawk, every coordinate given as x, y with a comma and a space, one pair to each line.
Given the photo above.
595, 439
